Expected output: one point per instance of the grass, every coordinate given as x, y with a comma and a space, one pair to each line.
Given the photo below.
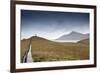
45, 50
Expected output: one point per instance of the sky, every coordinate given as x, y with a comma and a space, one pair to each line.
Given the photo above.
52, 24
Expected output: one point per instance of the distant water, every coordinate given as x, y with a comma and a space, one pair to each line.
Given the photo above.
73, 41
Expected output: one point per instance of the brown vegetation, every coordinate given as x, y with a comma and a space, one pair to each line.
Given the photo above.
46, 50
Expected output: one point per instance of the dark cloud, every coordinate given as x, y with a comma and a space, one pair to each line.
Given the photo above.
34, 22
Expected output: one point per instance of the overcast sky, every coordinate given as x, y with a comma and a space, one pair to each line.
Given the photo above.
51, 25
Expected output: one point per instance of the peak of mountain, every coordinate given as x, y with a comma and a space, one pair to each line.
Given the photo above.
75, 33
73, 36
36, 37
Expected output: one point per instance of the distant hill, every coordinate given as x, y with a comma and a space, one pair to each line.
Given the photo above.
38, 43
73, 36
85, 41
47, 50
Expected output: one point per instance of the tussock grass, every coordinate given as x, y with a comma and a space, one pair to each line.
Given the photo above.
45, 50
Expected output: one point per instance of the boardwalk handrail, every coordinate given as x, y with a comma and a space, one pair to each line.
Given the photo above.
24, 59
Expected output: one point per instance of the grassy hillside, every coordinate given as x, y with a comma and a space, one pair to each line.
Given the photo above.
85, 41
46, 50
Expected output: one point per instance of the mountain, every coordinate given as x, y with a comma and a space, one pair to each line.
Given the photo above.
73, 36
46, 50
